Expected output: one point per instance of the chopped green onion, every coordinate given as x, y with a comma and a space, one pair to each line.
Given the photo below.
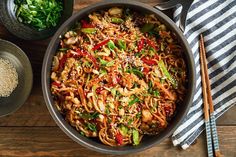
111, 45
162, 80
88, 30
156, 93
94, 90
116, 20
107, 111
38, 13
123, 130
63, 49
136, 72
165, 72
113, 91
150, 85
137, 54
103, 62
147, 27
82, 133
136, 99
138, 115
88, 115
130, 121
111, 63
122, 44
103, 71
87, 64
91, 127
135, 137
152, 51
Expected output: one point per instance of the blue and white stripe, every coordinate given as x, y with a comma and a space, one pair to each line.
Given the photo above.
209, 142
214, 132
216, 20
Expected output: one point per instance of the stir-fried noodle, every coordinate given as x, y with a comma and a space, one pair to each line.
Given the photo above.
118, 75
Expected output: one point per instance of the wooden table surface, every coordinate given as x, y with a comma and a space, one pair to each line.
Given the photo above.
32, 132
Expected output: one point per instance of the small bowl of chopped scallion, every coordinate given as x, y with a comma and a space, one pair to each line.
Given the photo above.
34, 19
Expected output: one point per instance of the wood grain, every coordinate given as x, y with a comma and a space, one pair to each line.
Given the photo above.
51, 141
31, 131
34, 112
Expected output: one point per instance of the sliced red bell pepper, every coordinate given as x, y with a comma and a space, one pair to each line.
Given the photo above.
85, 24
141, 44
100, 44
149, 61
62, 61
118, 79
145, 71
56, 84
86, 54
151, 43
119, 138
99, 90
156, 57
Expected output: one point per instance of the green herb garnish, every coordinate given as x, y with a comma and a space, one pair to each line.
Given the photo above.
40, 14
156, 93
111, 63
130, 121
111, 45
88, 30
150, 85
135, 71
63, 49
147, 27
135, 137
138, 115
82, 133
136, 99
91, 126
122, 44
88, 116
116, 20
123, 130
106, 63
113, 91
165, 72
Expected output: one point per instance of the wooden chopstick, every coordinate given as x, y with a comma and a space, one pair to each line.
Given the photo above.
206, 107
208, 103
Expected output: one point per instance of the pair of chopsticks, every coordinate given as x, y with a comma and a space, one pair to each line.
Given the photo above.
210, 123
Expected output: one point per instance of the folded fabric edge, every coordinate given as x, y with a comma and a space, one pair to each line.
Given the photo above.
188, 141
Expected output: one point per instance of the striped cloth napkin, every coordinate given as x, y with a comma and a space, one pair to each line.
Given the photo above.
216, 19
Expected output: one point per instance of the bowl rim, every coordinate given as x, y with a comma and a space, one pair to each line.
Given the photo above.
30, 75
24, 31
47, 64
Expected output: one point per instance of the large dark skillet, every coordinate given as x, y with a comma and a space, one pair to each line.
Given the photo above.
148, 141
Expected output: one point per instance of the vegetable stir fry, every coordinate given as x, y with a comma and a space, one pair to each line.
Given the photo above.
41, 14
119, 75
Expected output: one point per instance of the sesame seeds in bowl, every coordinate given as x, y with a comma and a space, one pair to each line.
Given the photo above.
8, 78
16, 77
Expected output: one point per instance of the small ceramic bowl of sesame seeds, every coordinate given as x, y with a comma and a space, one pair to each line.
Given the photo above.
15, 77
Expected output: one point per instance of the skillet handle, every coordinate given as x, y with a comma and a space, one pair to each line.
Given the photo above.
171, 4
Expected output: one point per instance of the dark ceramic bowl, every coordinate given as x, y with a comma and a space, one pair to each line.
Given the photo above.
147, 141
22, 64
9, 20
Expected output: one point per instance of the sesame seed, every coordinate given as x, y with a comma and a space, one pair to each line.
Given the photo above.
8, 78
